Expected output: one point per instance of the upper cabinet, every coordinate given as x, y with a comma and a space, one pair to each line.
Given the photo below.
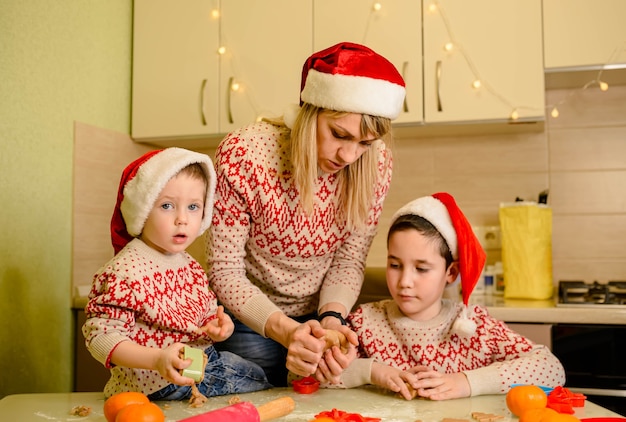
443, 47
175, 69
203, 67
266, 43
581, 34
483, 61
391, 28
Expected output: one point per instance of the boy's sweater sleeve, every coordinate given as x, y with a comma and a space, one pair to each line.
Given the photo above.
517, 360
358, 373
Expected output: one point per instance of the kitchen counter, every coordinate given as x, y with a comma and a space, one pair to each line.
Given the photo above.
367, 401
546, 311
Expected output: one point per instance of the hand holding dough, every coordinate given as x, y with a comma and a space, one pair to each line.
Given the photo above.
336, 338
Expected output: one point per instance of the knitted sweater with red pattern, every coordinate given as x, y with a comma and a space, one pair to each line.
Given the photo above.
152, 299
264, 254
492, 359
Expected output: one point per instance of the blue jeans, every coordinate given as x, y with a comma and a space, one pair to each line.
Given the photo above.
225, 373
267, 353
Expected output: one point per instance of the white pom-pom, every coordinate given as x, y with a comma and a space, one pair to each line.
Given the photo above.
290, 115
463, 325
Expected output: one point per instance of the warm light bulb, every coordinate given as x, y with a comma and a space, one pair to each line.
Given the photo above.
555, 112
235, 87
476, 84
604, 86
448, 47
221, 50
432, 8
514, 115
215, 13
377, 7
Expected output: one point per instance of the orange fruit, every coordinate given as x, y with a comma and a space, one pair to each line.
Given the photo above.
140, 412
525, 397
539, 414
323, 419
116, 402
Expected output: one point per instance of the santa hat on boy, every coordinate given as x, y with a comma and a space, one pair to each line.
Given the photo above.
354, 78
141, 183
445, 215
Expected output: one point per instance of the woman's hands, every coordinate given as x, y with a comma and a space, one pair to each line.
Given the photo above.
306, 344
219, 328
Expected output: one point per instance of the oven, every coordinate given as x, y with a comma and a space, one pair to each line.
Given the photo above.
593, 355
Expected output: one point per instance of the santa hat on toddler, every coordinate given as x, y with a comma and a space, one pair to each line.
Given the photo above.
141, 183
354, 78
445, 215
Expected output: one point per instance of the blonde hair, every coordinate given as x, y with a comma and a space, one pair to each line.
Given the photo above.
357, 181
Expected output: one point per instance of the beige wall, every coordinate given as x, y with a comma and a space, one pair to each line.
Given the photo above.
580, 157
60, 61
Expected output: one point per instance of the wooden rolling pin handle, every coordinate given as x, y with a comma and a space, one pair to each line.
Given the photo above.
276, 408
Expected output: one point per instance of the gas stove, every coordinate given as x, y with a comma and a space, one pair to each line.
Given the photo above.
579, 293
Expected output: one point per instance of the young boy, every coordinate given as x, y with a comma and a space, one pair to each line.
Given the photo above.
422, 344
152, 298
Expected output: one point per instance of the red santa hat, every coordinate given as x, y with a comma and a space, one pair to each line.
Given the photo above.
442, 211
351, 77
141, 183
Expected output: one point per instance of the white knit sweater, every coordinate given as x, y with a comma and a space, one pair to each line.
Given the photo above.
264, 254
492, 359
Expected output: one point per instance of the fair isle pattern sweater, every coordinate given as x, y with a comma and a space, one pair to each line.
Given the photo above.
492, 359
264, 254
152, 299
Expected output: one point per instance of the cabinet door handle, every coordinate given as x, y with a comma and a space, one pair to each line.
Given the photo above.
405, 105
202, 117
228, 109
438, 84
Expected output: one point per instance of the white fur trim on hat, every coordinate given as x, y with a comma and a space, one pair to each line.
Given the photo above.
355, 94
141, 191
437, 214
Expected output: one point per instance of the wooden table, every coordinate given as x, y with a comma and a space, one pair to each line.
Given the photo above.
368, 401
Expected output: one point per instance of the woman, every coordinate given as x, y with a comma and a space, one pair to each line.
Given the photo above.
297, 206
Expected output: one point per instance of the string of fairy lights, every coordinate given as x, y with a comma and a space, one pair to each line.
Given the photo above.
452, 46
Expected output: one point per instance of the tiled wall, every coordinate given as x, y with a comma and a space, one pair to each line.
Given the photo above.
580, 157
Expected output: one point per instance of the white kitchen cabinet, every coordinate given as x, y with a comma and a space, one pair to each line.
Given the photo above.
175, 69
584, 33
266, 42
498, 42
394, 31
184, 89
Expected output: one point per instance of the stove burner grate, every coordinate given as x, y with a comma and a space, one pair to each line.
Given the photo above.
579, 292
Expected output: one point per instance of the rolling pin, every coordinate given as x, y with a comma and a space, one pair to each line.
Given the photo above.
247, 412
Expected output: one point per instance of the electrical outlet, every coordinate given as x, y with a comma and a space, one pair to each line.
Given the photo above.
489, 237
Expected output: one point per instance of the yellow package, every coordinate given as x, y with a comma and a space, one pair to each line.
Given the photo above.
526, 233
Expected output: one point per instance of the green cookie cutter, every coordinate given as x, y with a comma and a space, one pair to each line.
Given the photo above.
195, 371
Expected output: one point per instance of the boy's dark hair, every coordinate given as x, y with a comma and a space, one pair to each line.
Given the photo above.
423, 226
